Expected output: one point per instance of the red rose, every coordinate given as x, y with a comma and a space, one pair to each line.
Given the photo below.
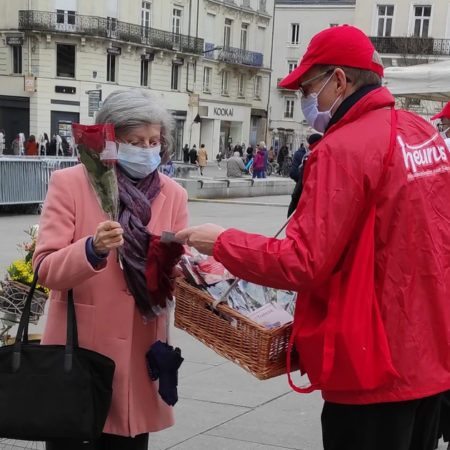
93, 136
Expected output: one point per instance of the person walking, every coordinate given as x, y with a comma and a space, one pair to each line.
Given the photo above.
31, 146
296, 161
258, 163
186, 153
368, 250
202, 158
193, 155
76, 246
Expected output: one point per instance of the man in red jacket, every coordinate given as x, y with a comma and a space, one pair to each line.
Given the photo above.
392, 168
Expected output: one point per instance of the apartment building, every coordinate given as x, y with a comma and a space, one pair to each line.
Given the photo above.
236, 72
60, 58
405, 33
295, 23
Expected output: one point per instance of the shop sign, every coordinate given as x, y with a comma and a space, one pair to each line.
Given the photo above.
14, 39
219, 111
29, 83
114, 50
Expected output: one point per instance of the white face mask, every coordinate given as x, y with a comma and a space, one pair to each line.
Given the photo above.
316, 119
138, 162
444, 133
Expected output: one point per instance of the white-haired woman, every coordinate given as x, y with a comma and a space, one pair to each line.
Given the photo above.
76, 244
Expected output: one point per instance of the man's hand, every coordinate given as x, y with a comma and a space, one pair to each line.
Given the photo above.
202, 237
109, 235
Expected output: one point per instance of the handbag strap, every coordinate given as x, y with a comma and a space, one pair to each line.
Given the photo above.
329, 348
22, 331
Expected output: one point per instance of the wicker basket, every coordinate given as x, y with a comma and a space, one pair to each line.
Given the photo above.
13, 295
259, 350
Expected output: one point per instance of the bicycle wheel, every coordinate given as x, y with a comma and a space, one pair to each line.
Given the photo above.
14, 444
269, 169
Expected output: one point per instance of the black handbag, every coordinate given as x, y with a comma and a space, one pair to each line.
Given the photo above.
50, 392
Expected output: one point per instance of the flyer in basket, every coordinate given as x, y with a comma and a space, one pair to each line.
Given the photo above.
271, 315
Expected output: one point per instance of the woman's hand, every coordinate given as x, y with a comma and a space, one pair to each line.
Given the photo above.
109, 235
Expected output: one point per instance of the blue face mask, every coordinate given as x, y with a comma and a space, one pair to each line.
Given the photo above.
138, 162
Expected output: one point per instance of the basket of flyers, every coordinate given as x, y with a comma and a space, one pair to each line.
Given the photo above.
246, 323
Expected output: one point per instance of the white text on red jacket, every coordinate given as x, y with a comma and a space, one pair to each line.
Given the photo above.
426, 159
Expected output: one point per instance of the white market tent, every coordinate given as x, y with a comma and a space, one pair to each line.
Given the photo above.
424, 81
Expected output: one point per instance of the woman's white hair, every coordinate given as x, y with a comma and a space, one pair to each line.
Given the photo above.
130, 109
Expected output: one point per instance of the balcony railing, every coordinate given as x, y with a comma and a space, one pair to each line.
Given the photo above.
109, 29
234, 55
411, 45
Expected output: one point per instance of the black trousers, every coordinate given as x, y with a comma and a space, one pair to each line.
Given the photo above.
409, 425
106, 442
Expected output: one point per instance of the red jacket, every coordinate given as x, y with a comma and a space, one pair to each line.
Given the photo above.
412, 239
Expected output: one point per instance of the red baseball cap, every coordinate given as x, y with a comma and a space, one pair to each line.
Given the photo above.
336, 46
444, 113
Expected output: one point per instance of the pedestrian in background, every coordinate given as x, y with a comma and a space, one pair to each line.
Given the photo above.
186, 153
281, 158
31, 146
193, 155
368, 250
15, 146
43, 144
258, 163
249, 154
202, 158
296, 161
2, 141
297, 192
235, 166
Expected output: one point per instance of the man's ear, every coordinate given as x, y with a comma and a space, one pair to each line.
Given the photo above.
343, 85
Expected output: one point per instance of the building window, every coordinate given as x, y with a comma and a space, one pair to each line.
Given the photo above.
65, 60
65, 19
17, 58
227, 33
144, 72
146, 14
176, 27
385, 16
332, 25
111, 27
422, 16
207, 71
262, 5
295, 33
146, 19
257, 87
241, 85
292, 65
244, 32
175, 80
224, 82
289, 108
111, 68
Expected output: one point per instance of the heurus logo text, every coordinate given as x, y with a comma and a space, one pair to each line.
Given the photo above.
425, 159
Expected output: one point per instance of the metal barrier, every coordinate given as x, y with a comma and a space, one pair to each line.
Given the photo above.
24, 179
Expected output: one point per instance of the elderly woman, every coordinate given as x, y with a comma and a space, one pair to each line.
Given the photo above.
76, 245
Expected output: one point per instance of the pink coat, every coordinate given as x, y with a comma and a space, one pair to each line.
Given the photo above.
108, 320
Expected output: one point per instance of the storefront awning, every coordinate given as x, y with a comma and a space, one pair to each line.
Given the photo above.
425, 81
